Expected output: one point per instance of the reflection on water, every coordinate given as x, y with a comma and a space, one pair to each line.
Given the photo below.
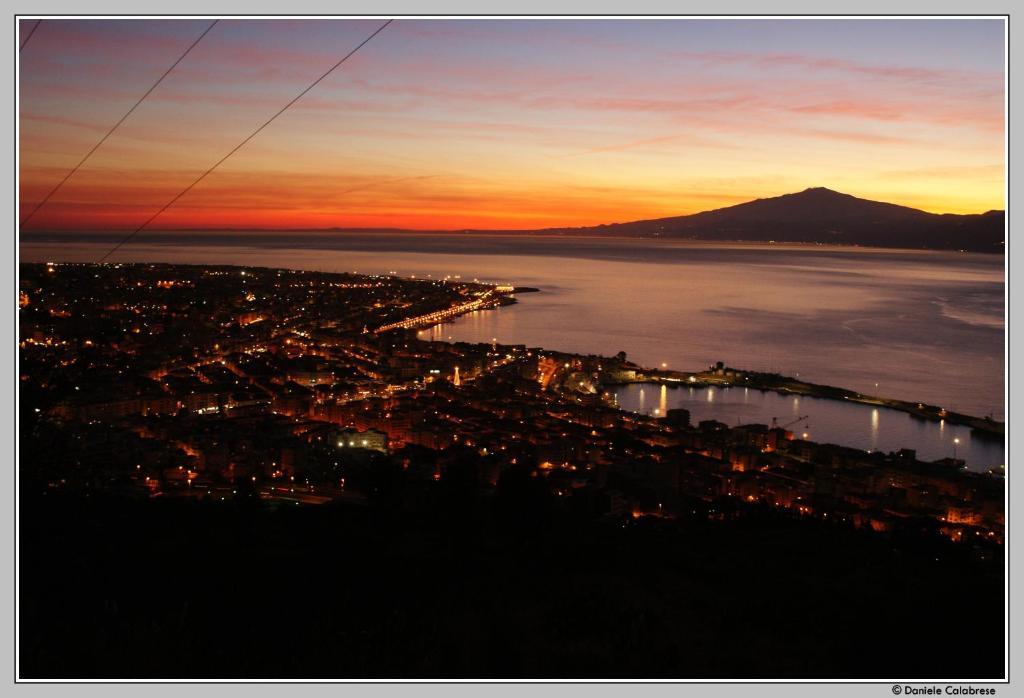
825, 421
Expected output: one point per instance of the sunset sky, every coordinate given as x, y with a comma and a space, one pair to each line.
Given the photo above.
505, 123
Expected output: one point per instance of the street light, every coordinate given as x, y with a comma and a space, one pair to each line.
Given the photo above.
956, 442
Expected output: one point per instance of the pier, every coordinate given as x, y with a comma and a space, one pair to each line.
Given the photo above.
723, 376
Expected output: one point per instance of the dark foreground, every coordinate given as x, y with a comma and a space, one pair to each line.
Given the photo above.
459, 586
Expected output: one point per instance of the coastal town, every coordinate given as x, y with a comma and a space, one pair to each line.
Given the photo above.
293, 388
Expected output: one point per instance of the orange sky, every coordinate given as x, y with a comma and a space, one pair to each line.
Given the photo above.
506, 124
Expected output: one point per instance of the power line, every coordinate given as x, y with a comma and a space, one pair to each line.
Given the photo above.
239, 146
36, 26
114, 127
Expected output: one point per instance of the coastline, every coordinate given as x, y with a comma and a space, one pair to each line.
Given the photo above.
263, 236
717, 376
787, 385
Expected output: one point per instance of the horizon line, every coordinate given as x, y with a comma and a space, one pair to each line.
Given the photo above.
485, 230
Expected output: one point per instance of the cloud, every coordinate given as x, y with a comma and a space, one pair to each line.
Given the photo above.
901, 73
690, 141
993, 171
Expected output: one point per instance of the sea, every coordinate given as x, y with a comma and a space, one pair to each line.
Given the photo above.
922, 326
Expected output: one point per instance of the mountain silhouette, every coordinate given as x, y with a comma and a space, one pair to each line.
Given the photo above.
815, 215
820, 215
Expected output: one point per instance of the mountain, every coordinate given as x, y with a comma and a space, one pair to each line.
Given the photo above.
825, 216
816, 215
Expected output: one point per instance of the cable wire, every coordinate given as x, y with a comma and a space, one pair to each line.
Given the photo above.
239, 146
33, 31
115, 126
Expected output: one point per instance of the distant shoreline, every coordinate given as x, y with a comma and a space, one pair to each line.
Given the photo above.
207, 236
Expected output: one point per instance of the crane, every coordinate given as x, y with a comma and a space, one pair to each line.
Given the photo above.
775, 422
